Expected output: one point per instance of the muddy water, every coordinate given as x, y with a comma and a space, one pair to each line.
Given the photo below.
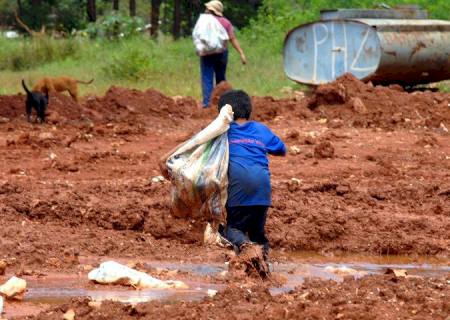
47, 290
53, 295
59, 288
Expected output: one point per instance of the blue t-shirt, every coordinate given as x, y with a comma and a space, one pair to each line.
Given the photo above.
248, 170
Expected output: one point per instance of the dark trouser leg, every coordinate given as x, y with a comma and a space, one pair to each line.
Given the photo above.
238, 220
256, 231
207, 75
220, 67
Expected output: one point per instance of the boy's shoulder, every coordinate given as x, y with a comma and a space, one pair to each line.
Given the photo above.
252, 126
259, 125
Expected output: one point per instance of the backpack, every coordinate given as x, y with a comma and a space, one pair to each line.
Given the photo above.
209, 35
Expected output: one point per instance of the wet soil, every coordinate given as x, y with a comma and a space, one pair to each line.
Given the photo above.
369, 297
368, 171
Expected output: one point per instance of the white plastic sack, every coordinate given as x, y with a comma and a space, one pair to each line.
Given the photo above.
212, 237
209, 35
14, 288
1, 305
111, 272
199, 171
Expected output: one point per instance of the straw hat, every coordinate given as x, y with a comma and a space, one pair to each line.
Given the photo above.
215, 6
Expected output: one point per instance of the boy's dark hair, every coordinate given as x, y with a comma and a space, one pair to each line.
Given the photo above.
239, 101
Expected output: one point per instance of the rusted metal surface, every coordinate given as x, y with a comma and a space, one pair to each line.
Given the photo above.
404, 51
411, 12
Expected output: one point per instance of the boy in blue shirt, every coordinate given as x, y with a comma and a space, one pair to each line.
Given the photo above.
249, 189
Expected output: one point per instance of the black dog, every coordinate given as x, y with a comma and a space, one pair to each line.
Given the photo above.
36, 100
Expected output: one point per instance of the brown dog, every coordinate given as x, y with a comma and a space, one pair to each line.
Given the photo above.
63, 83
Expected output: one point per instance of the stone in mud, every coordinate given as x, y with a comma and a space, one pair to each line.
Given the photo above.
324, 150
95, 304
398, 273
53, 117
358, 105
294, 150
292, 134
45, 136
158, 179
294, 184
69, 315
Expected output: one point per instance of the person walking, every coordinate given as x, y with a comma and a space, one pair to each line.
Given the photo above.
213, 61
249, 187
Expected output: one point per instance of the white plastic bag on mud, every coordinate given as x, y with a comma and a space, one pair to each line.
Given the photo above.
111, 272
14, 288
209, 35
199, 171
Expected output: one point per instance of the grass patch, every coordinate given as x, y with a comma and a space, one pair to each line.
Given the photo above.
18, 55
166, 65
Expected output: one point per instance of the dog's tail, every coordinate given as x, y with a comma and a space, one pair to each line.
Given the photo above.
25, 87
85, 82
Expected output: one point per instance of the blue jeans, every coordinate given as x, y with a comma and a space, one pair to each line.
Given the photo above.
247, 223
210, 65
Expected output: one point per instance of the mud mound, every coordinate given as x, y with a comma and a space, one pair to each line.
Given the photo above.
118, 104
268, 108
12, 106
347, 101
116, 213
219, 90
121, 104
60, 107
363, 105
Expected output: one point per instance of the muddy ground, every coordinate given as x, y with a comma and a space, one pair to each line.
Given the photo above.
372, 297
368, 172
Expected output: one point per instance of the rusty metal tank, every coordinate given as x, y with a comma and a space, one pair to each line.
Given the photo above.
383, 46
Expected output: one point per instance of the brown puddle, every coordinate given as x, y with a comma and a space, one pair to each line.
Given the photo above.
60, 288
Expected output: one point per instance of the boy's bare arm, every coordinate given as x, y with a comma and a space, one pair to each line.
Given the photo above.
238, 48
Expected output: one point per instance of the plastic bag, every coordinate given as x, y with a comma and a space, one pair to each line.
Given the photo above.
209, 35
111, 272
212, 237
14, 288
199, 171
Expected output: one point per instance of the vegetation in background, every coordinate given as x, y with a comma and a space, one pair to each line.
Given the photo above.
18, 54
115, 26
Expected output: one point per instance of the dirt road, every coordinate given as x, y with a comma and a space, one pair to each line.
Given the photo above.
368, 171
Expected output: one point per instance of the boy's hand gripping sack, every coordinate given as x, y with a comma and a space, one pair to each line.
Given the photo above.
199, 171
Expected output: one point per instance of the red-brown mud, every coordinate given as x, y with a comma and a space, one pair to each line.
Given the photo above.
372, 297
368, 171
